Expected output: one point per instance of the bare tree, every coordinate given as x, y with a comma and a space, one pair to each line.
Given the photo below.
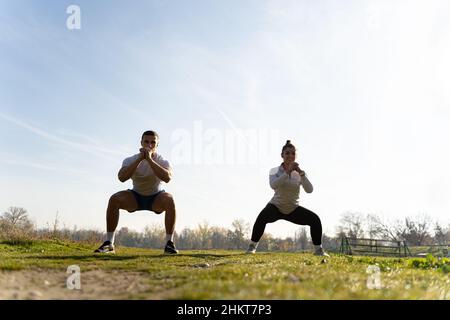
16, 216
154, 235
266, 241
53, 229
380, 228
187, 239
352, 224
204, 235
238, 235
415, 230
218, 237
440, 234
301, 239
15, 224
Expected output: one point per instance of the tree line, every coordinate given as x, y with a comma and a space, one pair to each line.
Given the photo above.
16, 226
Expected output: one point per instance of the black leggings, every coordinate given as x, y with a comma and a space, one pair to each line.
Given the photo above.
300, 216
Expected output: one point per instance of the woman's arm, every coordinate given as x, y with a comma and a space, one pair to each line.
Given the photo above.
276, 181
307, 186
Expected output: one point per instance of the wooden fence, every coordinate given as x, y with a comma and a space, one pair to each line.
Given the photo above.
363, 246
374, 247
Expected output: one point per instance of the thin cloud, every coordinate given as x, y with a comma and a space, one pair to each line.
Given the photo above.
40, 166
79, 174
104, 153
94, 142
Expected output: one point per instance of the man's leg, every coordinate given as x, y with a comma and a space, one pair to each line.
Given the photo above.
121, 200
164, 202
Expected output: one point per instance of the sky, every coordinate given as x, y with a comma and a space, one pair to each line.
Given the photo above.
360, 87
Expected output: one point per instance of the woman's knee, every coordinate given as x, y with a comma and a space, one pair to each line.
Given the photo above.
315, 220
265, 219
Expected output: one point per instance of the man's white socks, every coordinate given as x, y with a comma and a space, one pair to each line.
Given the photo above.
110, 236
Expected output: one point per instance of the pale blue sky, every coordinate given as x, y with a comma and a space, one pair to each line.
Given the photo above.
361, 87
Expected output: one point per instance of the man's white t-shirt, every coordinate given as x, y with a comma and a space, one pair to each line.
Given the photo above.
145, 182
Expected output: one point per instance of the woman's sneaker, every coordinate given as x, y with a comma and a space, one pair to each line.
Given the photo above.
106, 247
321, 252
170, 248
251, 249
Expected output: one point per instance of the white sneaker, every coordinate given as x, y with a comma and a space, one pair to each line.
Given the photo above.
321, 252
106, 247
251, 249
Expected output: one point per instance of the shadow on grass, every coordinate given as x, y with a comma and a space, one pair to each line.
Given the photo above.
118, 257
205, 255
84, 258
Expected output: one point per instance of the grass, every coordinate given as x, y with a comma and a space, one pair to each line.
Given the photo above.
224, 274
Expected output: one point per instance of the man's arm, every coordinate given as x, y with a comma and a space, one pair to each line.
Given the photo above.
126, 172
161, 172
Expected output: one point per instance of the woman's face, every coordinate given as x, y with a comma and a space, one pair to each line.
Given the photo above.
289, 155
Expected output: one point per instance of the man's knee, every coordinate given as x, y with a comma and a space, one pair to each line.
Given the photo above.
163, 203
168, 201
115, 200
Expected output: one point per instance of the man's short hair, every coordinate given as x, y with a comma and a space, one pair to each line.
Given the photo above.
149, 133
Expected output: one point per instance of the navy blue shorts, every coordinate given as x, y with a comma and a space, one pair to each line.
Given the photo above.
145, 202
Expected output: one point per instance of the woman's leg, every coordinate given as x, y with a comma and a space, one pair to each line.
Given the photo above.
268, 215
304, 216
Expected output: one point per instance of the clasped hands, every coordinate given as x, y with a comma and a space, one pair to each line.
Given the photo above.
293, 166
146, 153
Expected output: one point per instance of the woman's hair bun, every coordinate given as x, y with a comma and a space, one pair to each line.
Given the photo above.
287, 145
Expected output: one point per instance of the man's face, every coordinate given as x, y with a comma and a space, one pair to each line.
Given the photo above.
149, 142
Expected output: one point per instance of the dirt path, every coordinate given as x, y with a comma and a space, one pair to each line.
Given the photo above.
51, 284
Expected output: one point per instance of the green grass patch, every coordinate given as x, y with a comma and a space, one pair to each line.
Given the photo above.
431, 262
225, 274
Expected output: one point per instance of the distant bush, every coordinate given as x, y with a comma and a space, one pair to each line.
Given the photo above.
431, 262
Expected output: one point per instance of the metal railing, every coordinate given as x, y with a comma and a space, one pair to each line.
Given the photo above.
381, 247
